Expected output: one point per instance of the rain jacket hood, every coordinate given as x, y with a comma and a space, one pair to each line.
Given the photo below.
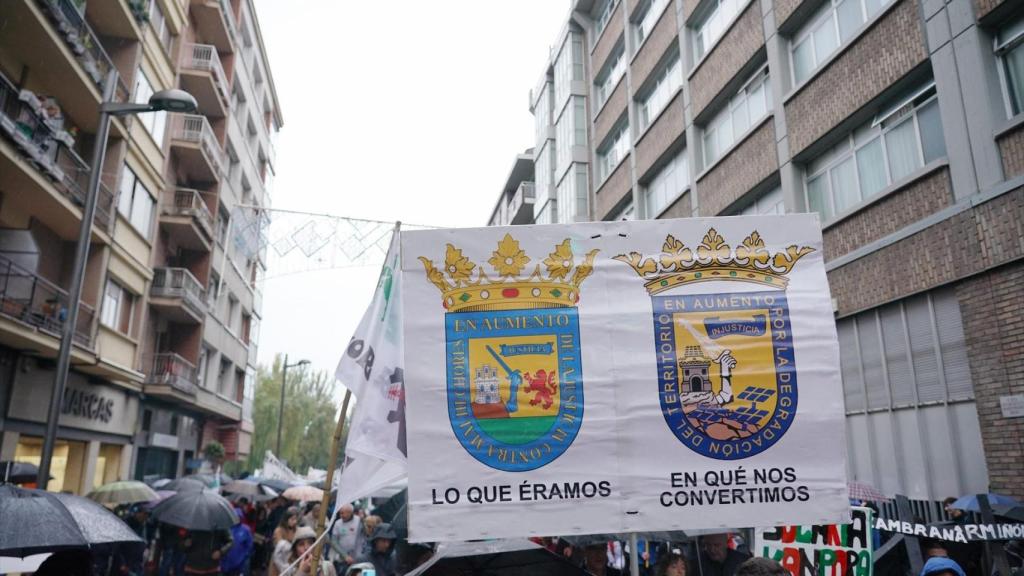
938, 565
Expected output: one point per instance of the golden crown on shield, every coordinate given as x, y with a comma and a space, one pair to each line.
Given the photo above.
466, 287
713, 259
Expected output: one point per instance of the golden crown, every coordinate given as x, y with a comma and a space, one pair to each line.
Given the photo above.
464, 290
714, 260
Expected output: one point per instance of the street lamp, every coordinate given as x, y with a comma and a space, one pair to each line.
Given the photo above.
280, 408
169, 100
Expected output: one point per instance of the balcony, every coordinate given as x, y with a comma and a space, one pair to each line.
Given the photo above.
39, 145
170, 370
71, 26
203, 76
520, 207
195, 145
187, 218
39, 304
215, 22
177, 294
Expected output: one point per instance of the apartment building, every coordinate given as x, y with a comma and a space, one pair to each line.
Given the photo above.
164, 355
900, 122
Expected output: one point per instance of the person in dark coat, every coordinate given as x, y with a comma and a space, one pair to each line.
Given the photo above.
715, 558
382, 550
204, 550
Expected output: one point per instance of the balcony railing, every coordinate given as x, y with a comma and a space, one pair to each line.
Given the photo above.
196, 129
179, 283
27, 297
204, 57
170, 369
48, 148
189, 203
524, 195
71, 25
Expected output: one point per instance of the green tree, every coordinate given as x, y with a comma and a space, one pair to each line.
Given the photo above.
310, 413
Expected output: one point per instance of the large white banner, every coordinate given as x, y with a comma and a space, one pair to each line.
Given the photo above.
621, 376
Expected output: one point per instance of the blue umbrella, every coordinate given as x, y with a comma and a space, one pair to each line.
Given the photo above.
970, 502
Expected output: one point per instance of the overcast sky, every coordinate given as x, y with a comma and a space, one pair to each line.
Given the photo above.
404, 110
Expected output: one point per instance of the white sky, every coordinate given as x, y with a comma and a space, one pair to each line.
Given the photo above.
404, 110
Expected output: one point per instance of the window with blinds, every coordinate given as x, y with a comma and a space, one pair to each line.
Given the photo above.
909, 353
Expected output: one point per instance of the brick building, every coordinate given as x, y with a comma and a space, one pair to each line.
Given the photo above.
901, 122
164, 358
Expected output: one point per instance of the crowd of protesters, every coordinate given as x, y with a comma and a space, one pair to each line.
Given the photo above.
271, 539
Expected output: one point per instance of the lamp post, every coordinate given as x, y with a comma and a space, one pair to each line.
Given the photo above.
169, 100
280, 407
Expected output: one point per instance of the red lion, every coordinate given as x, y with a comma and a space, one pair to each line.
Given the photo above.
543, 385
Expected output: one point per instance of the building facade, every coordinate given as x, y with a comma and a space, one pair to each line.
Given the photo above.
164, 355
900, 122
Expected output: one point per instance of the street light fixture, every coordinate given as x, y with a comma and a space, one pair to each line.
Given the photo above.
169, 100
280, 408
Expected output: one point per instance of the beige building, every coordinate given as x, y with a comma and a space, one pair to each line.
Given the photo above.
164, 359
900, 122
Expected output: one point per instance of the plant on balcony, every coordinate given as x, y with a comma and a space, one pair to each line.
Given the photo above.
214, 453
140, 10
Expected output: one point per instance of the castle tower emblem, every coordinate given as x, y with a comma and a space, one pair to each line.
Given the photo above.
515, 387
732, 391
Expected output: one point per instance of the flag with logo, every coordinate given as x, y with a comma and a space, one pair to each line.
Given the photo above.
372, 369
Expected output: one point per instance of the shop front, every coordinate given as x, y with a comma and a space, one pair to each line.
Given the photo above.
166, 442
97, 421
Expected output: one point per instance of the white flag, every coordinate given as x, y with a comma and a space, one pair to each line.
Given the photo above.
274, 469
372, 368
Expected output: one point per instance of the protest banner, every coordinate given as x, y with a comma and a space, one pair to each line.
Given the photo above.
950, 532
821, 550
621, 377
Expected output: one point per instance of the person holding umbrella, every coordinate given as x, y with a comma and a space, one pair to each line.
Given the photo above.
204, 550
304, 539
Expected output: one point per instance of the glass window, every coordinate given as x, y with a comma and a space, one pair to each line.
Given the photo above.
770, 202
135, 203
932, 141
614, 150
603, 17
901, 147
572, 195
570, 130
1009, 42
711, 27
898, 142
627, 212
118, 305
609, 77
158, 23
833, 25
155, 122
648, 19
668, 82
667, 185
745, 110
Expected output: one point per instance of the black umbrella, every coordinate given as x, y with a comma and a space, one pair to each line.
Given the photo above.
36, 521
197, 510
18, 472
184, 485
395, 511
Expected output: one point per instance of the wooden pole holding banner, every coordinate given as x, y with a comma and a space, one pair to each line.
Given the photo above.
329, 482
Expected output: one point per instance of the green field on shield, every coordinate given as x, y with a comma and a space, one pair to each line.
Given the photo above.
516, 430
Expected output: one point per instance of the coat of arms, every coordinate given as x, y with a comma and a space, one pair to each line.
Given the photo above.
514, 382
723, 342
